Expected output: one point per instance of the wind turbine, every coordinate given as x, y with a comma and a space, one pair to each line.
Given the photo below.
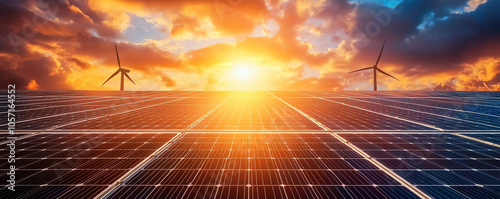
121, 70
375, 69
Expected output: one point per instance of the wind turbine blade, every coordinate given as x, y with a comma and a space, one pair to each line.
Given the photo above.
361, 69
126, 75
379, 55
111, 77
386, 74
117, 57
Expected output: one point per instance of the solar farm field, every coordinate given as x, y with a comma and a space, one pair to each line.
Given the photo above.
254, 144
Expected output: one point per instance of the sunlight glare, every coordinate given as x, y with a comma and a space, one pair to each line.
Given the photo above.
244, 72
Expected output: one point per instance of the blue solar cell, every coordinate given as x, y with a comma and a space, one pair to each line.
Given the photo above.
442, 192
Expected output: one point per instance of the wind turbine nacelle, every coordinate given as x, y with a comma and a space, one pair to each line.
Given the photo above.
125, 70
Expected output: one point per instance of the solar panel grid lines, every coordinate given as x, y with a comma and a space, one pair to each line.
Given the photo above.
175, 116
445, 123
271, 150
476, 139
443, 108
489, 137
28, 103
259, 114
433, 162
194, 180
477, 108
344, 117
466, 101
86, 119
388, 171
210, 112
97, 111
487, 123
404, 102
384, 168
17, 136
247, 180
88, 102
69, 169
302, 113
430, 97
111, 189
69, 100
123, 112
126, 110
140, 165
67, 113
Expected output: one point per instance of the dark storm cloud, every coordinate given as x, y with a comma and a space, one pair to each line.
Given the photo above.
30, 28
9, 76
442, 45
47, 40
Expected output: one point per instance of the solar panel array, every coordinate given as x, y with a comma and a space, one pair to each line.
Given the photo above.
237, 144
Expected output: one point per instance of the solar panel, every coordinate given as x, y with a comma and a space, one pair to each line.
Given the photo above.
259, 165
425, 117
436, 161
64, 165
341, 117
171, 114
256, 114
255, 144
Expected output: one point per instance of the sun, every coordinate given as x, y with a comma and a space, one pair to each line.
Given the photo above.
244, 76
243, 72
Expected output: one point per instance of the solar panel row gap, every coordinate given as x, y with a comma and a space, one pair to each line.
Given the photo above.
112, 188
443, 165
254, 174
102, 116
390, 116
433, 107
455, 121
477, 139
460, 190
448, 109
367, 157
76, 112
416, 122
63, 165
429, 113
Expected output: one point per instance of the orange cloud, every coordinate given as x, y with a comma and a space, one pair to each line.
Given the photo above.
32, 85
252, 45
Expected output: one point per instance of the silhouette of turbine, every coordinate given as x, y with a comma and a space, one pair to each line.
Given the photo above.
375, 69
123, 71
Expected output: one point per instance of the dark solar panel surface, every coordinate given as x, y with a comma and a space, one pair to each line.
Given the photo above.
168, 115
228, 165
237, 144
77, 165
494, 138
444, 162
341, 117
446, 122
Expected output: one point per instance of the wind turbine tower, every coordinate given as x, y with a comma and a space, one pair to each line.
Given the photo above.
375, 69
123, 71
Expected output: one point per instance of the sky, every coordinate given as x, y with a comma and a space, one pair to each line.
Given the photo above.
250, 44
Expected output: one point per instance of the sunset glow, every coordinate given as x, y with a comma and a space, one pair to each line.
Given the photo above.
252, 45
250, 99
244, 72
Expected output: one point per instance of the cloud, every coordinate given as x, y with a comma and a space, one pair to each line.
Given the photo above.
425, 38
432, 45
32, 85
473, 4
